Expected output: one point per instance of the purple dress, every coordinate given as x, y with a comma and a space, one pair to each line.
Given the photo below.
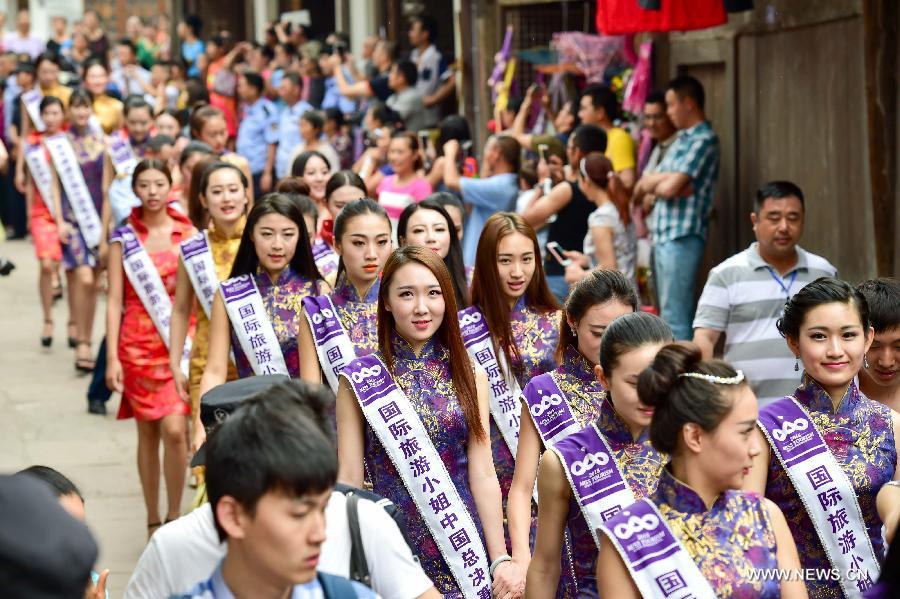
576, 379
90, 150
359, 316
860, 435
283, 302
641, 466
536, 335
426, 382
726, 541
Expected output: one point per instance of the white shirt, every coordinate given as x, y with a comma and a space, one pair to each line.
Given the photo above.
187, 551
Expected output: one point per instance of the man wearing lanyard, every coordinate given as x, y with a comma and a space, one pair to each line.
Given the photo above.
745, 295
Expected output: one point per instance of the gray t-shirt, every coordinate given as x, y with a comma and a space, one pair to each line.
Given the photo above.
410, 106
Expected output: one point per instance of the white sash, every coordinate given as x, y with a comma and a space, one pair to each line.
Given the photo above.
41, 173
333, 345
147, 283
594, 475
550, 410
400, 430
32, 101
201, 269
504, 397
77, 192
123, 161
824, 489
252, 326
659, 564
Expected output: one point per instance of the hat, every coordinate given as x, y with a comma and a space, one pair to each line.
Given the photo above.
23, 67
44, 552
218, 403
555, 147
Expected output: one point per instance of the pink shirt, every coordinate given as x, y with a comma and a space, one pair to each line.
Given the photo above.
394, 198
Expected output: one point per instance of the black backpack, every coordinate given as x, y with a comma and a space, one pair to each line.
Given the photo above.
359, 566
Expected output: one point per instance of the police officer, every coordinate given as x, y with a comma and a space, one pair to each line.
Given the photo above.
291, 89
258, 129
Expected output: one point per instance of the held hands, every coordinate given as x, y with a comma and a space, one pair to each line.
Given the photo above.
181, 384
509, 580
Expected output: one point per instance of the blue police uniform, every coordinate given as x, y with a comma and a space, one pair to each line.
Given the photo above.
258, 128
289, 136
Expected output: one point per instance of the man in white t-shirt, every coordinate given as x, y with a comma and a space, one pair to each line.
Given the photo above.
189, 549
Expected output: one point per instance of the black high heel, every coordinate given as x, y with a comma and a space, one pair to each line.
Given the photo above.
47, 341
73, 341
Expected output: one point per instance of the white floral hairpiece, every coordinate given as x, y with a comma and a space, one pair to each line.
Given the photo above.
718, 380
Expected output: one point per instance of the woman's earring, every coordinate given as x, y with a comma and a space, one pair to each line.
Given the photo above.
796, 364
575, 334
865, 362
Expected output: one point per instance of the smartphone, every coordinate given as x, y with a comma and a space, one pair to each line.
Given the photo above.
557, 252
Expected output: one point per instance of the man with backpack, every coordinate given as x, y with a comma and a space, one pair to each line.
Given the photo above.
270, 470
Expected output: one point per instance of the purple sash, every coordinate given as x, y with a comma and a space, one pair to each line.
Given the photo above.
594, 475
389, 412
32, 102
325, 258
659, 564
504, 395
333, 345
252, 326
826, 492
550, 410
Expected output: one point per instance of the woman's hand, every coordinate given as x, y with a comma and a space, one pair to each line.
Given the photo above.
65, 232
181, 384
574, 273
114, 375
97, 591
20, 181
509, 580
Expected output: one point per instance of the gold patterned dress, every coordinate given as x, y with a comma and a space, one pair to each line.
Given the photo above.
223, 249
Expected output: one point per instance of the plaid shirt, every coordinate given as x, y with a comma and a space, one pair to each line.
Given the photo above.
695, 153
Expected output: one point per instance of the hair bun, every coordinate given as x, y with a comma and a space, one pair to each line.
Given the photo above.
657, 381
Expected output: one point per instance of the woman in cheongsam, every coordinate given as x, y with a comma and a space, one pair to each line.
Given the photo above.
826, 325
704, 417
592, 305
137, 361
419, 342
521, 313
362, 235
80, 260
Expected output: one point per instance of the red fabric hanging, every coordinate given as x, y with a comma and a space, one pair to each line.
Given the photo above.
615, 17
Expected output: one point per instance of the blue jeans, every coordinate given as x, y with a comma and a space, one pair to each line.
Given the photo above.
559, 287
677, 262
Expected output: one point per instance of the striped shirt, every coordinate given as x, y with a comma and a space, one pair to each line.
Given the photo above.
744, 297
695, 153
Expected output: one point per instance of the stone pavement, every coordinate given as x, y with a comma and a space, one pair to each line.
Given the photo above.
45, 420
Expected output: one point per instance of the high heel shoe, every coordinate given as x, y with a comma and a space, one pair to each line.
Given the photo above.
84, 365
73, 341
47, 340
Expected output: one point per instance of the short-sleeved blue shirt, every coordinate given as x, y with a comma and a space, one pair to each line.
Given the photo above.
258, 128
289, 136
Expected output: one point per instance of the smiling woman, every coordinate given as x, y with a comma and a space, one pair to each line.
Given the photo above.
257, 312
431, 382
827, 327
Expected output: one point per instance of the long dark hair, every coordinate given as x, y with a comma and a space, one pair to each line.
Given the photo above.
486, 282
448, 333
598, 287
246, 260
149, 164
352, 210
200, 176
453, 260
